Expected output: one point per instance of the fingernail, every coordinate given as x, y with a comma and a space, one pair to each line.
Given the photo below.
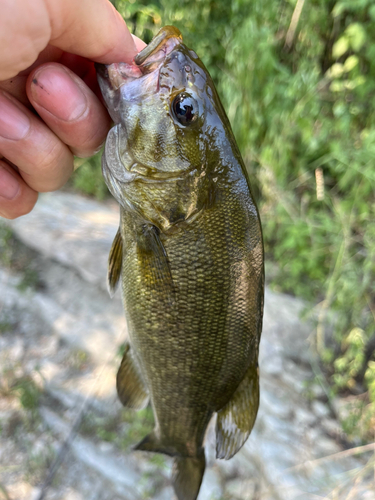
54, 90
9, 185
14, 124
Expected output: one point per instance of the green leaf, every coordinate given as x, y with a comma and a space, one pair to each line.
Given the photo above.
350, 63
336, 70
356, 35
340, 47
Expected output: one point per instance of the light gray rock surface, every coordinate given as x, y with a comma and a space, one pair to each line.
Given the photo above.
65, 336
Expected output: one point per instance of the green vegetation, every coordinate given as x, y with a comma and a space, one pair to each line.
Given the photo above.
88, 178
125, 428
28, 393
299, 87
16, 257
23, 395
5, 245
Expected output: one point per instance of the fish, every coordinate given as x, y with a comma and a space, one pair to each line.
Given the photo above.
188, 255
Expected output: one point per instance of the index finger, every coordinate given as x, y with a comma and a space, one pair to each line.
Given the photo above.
92, 29
89, 28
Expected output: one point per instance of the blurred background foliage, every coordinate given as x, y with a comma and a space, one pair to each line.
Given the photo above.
298, 82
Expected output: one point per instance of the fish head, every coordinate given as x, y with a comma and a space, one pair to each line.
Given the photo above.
167, 106
170, 126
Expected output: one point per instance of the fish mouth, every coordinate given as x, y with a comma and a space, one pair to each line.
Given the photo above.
160, 46
141, 78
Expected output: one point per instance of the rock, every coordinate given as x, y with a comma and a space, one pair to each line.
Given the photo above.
120, 473
332, 427
317, 391
241, 489
320, 409
72, 495
305, 417
327, 446
211, 488
286, 334
165, 494
73, 230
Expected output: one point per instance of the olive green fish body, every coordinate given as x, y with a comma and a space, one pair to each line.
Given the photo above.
195, 338
189, 255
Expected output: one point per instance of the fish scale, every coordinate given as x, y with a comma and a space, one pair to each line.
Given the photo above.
188, 255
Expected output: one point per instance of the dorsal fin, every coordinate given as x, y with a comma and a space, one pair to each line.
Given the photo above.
114, 263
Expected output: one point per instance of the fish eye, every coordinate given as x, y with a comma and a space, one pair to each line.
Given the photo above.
185, 109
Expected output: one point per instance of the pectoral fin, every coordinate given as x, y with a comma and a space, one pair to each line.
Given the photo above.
155, 263
114, 264
131, 389
236, 419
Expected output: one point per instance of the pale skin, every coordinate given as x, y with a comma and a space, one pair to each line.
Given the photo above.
46, 53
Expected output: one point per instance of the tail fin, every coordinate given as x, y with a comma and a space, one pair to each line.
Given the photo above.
187, 475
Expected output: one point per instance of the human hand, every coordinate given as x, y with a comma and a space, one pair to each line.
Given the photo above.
46, 53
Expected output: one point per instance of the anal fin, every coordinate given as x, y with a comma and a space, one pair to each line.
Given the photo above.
114, 263
236, 419
131, 389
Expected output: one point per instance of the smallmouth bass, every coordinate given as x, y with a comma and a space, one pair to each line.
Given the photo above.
188, 254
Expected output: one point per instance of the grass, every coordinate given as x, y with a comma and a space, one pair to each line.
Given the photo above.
28, 393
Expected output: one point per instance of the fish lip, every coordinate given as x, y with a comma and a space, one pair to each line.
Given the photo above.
147, 61
167, 38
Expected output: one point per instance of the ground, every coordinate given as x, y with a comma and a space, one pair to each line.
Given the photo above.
63, 433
